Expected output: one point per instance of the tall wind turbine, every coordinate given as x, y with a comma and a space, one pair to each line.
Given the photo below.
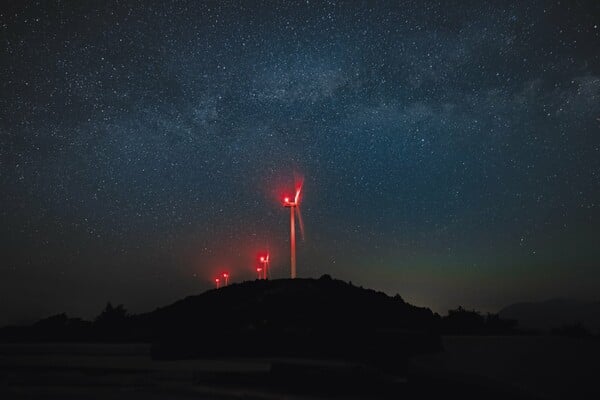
294, 208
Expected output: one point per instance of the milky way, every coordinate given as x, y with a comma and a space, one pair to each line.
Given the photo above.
450, 150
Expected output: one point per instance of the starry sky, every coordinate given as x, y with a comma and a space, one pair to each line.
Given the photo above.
450, 150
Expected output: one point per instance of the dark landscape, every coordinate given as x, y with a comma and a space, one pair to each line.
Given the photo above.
299, 199
307, 338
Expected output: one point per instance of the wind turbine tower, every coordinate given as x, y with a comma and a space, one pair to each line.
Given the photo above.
264, 260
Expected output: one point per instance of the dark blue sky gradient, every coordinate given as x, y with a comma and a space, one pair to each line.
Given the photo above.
450, 150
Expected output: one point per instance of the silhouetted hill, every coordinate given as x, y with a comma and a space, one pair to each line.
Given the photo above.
294, 304
301, 318
310, 318
554, 314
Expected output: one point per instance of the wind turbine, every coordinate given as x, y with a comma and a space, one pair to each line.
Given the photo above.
218, 282
294, 206
264, 260
226, 277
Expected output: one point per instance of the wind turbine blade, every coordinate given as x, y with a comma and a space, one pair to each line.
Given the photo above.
300, 221
298, 190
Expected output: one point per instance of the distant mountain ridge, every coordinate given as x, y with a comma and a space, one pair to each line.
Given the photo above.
554, 313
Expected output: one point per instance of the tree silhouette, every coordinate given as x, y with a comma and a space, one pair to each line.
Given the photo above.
112, 323
112, 315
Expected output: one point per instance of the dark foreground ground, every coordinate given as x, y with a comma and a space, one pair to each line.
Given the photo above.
470, 367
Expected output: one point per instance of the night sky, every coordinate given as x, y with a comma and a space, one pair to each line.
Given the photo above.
450, 150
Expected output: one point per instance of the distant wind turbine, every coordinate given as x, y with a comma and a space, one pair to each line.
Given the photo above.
264, 260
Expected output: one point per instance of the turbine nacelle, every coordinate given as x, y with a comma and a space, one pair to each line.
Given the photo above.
288, 203
287, 200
